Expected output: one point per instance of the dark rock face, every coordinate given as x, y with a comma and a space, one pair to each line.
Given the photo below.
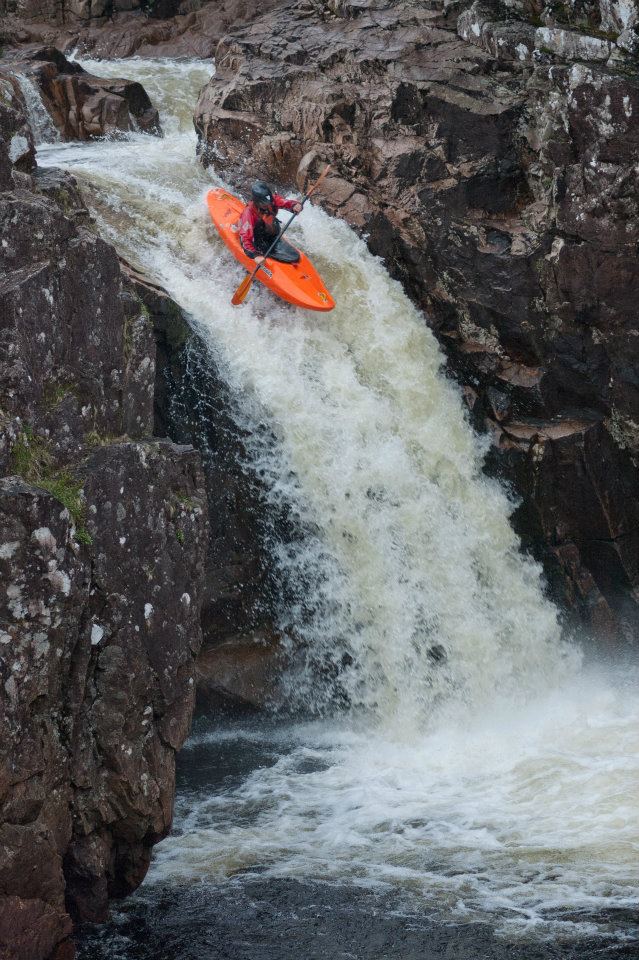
17, 153
241, 659
82, 106
126, 27
489, 160
71, 11
103, 538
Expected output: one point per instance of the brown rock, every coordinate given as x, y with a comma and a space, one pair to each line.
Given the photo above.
83, 106
241, 653
167, 28
30, 929
103, 538
242, 671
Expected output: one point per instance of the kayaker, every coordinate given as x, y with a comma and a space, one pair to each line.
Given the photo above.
259, 225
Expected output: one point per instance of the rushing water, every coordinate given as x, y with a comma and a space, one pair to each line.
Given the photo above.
481, 773
42, 126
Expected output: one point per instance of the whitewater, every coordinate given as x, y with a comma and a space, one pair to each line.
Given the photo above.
480, 770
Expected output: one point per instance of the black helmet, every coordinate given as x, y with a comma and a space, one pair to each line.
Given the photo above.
262, 195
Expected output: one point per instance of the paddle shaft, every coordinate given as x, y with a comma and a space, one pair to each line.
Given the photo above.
284, 229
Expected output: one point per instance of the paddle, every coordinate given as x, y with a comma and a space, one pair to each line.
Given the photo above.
240, 294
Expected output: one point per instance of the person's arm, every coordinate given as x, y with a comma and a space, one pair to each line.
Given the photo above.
247, 234
281, 203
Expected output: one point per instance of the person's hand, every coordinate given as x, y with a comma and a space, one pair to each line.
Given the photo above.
259, 261
297, 208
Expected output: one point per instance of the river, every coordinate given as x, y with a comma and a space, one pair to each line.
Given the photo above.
479, 797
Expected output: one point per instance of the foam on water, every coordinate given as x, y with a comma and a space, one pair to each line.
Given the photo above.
480, 769
526, 817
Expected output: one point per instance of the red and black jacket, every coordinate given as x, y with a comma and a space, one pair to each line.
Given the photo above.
251, 217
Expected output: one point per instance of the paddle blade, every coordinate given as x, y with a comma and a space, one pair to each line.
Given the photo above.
240, 294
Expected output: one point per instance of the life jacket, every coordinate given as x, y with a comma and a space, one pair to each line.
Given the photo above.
256, 227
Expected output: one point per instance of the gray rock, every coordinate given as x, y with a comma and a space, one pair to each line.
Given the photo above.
103, 540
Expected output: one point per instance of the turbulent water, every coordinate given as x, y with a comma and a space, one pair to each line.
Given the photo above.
42, 126
480, 773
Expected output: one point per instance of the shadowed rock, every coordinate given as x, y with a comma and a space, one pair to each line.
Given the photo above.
103, 536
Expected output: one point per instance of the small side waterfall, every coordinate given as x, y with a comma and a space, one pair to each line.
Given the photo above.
42, 126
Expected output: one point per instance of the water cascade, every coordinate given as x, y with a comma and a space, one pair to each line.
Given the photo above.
479, 768
42, 126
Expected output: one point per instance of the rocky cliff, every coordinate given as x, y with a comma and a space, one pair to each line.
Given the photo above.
488, 154
103, 538
120, 28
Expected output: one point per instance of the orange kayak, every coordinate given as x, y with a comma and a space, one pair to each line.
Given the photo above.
297, 283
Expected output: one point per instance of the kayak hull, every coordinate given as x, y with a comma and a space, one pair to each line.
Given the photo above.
297, 283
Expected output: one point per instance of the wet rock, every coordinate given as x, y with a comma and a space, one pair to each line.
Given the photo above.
17, 152
242, 653
103, 539
143, 641
494, 171
571, 503
241, 672
83, 106
164, 28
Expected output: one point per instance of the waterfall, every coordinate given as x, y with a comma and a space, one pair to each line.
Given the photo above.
42, 126
478, 766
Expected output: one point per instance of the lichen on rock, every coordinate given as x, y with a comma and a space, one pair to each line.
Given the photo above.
96, 695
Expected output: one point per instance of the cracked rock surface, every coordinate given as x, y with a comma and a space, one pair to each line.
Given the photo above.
103, 539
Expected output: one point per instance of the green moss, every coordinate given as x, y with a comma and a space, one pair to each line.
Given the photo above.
96, 439
67, 490
30, 456
82, 535
32, 459
179, 534
56, 392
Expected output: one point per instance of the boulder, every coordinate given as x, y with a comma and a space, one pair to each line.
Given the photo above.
241, 673
242, 652
82, 106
